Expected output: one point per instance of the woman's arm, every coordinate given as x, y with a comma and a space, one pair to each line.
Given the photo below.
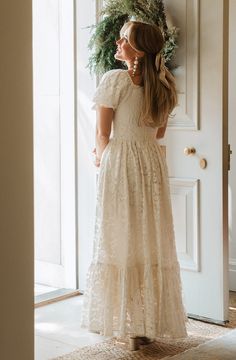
103, 130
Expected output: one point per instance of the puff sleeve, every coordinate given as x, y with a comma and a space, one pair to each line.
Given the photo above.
108, 91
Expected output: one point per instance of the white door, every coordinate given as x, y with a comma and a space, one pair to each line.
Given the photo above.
232, 141
54, 143
199, 195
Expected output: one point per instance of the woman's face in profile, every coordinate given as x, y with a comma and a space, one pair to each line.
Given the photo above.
124, 51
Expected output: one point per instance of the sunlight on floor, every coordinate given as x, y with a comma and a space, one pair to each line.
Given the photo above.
48, 327
40, 289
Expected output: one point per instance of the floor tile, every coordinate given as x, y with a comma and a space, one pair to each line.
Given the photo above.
58, 331
46, 349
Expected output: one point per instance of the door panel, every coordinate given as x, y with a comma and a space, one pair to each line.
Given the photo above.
185, 15
199, 196
184, 196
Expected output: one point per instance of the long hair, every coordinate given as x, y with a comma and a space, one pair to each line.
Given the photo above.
160, 96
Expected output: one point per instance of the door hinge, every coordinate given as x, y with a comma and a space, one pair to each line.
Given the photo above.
229, 156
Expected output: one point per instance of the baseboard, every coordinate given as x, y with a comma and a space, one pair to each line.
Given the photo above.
54, 296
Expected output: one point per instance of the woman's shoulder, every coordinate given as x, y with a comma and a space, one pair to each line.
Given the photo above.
115, 76
111, 88
113, 72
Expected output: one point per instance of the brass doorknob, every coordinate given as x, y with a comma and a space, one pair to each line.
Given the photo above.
189, 151
203, 163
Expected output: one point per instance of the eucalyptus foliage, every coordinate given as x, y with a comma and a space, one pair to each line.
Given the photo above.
114, 14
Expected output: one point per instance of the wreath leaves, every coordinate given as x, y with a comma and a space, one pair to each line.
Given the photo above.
115, 13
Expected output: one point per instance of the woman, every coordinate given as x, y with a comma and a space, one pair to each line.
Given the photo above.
133, 285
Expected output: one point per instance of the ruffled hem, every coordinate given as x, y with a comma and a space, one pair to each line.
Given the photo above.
142, 300
98, 104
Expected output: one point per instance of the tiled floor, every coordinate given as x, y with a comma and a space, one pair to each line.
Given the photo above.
57, 329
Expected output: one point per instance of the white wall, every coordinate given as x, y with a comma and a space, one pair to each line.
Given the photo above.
54, 143
47, 149
16, 182
85, 16
232, 141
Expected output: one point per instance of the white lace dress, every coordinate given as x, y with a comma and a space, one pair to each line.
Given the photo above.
133, 283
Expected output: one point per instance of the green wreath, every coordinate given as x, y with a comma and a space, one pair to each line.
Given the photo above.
106, 32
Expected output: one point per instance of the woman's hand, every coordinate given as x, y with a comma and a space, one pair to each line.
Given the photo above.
103, 130
96, 160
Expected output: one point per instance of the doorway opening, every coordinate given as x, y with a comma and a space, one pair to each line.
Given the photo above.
54, 150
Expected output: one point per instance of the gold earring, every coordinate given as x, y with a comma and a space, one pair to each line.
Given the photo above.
135, 65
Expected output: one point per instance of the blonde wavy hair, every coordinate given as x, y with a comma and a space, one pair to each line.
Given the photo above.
160, 96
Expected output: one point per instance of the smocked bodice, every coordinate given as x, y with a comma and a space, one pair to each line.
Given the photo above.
117, 90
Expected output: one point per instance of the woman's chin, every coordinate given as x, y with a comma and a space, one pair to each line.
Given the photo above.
118, 56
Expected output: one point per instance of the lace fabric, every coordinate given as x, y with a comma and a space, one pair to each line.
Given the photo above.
133, 283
